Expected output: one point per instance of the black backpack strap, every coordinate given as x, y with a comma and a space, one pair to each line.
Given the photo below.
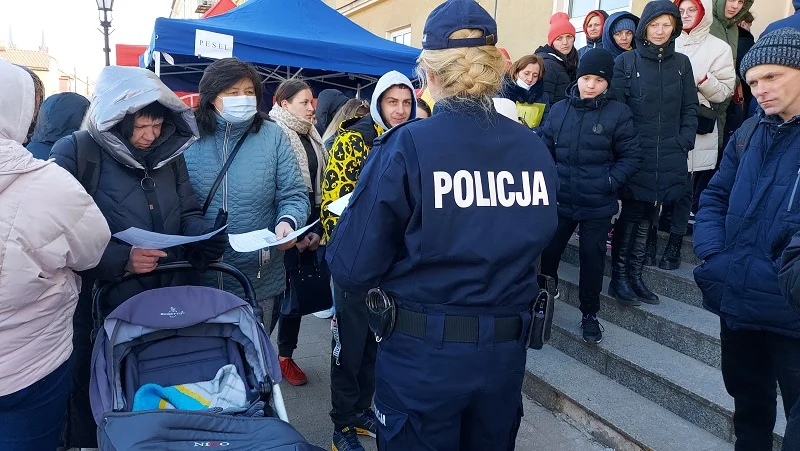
87, 158
221, 174
745, 134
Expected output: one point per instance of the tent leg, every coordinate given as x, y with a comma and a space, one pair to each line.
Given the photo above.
157, 57
358, 91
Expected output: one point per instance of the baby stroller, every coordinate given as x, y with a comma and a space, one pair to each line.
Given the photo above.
169, 338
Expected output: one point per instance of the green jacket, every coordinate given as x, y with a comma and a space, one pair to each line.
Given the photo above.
725, 28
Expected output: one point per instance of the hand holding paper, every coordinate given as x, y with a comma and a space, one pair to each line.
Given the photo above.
261, 239
151, 240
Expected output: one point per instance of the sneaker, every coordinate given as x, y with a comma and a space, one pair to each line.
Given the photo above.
292, 373
324, 314
592, 329
345, 440
367, 424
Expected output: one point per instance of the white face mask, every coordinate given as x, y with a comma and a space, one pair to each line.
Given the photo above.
523, 85
236, 109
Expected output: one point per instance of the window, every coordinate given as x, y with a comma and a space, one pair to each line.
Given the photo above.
578, 9
401, 36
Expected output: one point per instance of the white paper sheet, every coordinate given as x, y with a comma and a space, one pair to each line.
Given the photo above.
145, 239
337, 207
261, 239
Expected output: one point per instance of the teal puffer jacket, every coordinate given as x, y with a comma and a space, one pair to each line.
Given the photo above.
262, 185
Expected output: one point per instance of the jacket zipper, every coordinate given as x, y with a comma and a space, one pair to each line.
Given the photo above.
658, 139
794, 191
224, 187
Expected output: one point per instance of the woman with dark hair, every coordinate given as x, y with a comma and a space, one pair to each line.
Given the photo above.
293, 111
658, 84
263, 187
524, 85
560, 57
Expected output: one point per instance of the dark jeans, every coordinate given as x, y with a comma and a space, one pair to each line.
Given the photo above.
592, 253
352, 359
752, 362
636, 211
701, 181
682, 208
288, 329
31, 419
81, 430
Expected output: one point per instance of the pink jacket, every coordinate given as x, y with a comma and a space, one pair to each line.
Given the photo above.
49, 227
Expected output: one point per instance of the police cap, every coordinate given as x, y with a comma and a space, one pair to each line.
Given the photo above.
454, 15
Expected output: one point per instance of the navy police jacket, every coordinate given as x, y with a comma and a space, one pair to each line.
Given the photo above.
450, 213
747, 217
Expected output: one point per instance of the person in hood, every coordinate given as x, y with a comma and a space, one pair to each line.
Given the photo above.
329, 102
61, 115
560, 57
593, 26
792, 21
51, 229
658, 85
263, 187
619, 31
138, 130
449, 373
524, 85
351, 109
595, 154
293, 111
747, 218
354, 350
715, 77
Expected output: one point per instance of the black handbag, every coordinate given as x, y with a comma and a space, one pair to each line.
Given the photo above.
706, 120
309, 283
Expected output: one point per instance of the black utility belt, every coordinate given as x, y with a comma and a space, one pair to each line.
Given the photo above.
458, 329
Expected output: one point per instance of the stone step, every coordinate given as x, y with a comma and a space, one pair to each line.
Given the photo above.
685, 328
677, 382
678, 284
614, 415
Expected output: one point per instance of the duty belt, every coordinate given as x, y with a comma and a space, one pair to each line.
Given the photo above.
458, 329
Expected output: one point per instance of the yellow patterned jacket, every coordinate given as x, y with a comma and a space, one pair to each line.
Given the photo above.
347, 156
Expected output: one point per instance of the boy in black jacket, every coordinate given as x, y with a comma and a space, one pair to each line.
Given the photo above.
596, 148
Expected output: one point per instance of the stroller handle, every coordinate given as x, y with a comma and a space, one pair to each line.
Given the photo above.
244, 281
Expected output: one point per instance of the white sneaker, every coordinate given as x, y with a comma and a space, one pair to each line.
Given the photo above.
325, 314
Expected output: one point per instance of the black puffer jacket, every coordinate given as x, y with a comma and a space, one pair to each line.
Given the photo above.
559, 71
119, 195
657, 84
596, 149
60, 115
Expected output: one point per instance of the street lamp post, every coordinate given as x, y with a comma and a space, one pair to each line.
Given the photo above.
104, 8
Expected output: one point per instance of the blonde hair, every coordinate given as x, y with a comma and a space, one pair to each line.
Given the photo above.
471, 72
351, 109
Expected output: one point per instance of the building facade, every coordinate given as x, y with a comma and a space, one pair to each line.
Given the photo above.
522, 24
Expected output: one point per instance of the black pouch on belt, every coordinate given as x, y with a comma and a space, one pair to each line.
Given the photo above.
542, 313
381, 313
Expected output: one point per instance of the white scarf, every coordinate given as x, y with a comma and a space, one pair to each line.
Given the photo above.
294, 127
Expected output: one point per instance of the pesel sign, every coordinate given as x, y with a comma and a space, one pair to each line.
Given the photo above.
213, 45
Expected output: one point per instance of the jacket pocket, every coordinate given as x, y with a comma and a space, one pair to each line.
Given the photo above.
392, 420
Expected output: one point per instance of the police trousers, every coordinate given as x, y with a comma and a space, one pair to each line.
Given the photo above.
433, 395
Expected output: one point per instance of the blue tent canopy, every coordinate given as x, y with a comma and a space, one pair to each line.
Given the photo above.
283, 38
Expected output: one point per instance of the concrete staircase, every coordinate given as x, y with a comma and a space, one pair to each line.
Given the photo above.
654, 381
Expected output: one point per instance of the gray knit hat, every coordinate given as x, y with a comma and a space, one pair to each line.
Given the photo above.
780, 47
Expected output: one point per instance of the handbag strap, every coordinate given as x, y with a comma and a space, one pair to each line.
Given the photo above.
222, 173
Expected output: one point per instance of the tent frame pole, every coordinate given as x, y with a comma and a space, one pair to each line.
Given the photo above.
157, 57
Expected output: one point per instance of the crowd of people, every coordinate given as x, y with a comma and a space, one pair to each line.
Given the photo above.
676, 120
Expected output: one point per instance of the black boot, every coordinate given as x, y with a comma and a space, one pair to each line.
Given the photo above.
619, 288
635, 264
672, 253
650, 251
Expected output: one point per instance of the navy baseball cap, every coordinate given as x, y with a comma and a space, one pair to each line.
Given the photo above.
454, 15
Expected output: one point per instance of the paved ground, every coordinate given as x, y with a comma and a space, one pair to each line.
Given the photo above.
308, 406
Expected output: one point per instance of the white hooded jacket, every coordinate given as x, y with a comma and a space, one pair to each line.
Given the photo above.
710, 57
49, 227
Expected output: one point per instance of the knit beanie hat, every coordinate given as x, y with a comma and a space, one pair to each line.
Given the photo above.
780, 47
559, 24
598, 62
626, 23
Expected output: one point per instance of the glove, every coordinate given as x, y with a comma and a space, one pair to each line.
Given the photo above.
202, 253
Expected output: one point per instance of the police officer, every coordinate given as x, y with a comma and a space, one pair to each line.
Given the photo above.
448, 218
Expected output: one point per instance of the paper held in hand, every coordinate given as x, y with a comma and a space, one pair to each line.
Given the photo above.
337, 207
145, 239
260, 239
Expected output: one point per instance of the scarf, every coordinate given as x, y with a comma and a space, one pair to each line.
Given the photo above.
294, 127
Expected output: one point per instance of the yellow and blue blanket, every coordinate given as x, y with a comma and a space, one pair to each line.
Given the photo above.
226, 390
